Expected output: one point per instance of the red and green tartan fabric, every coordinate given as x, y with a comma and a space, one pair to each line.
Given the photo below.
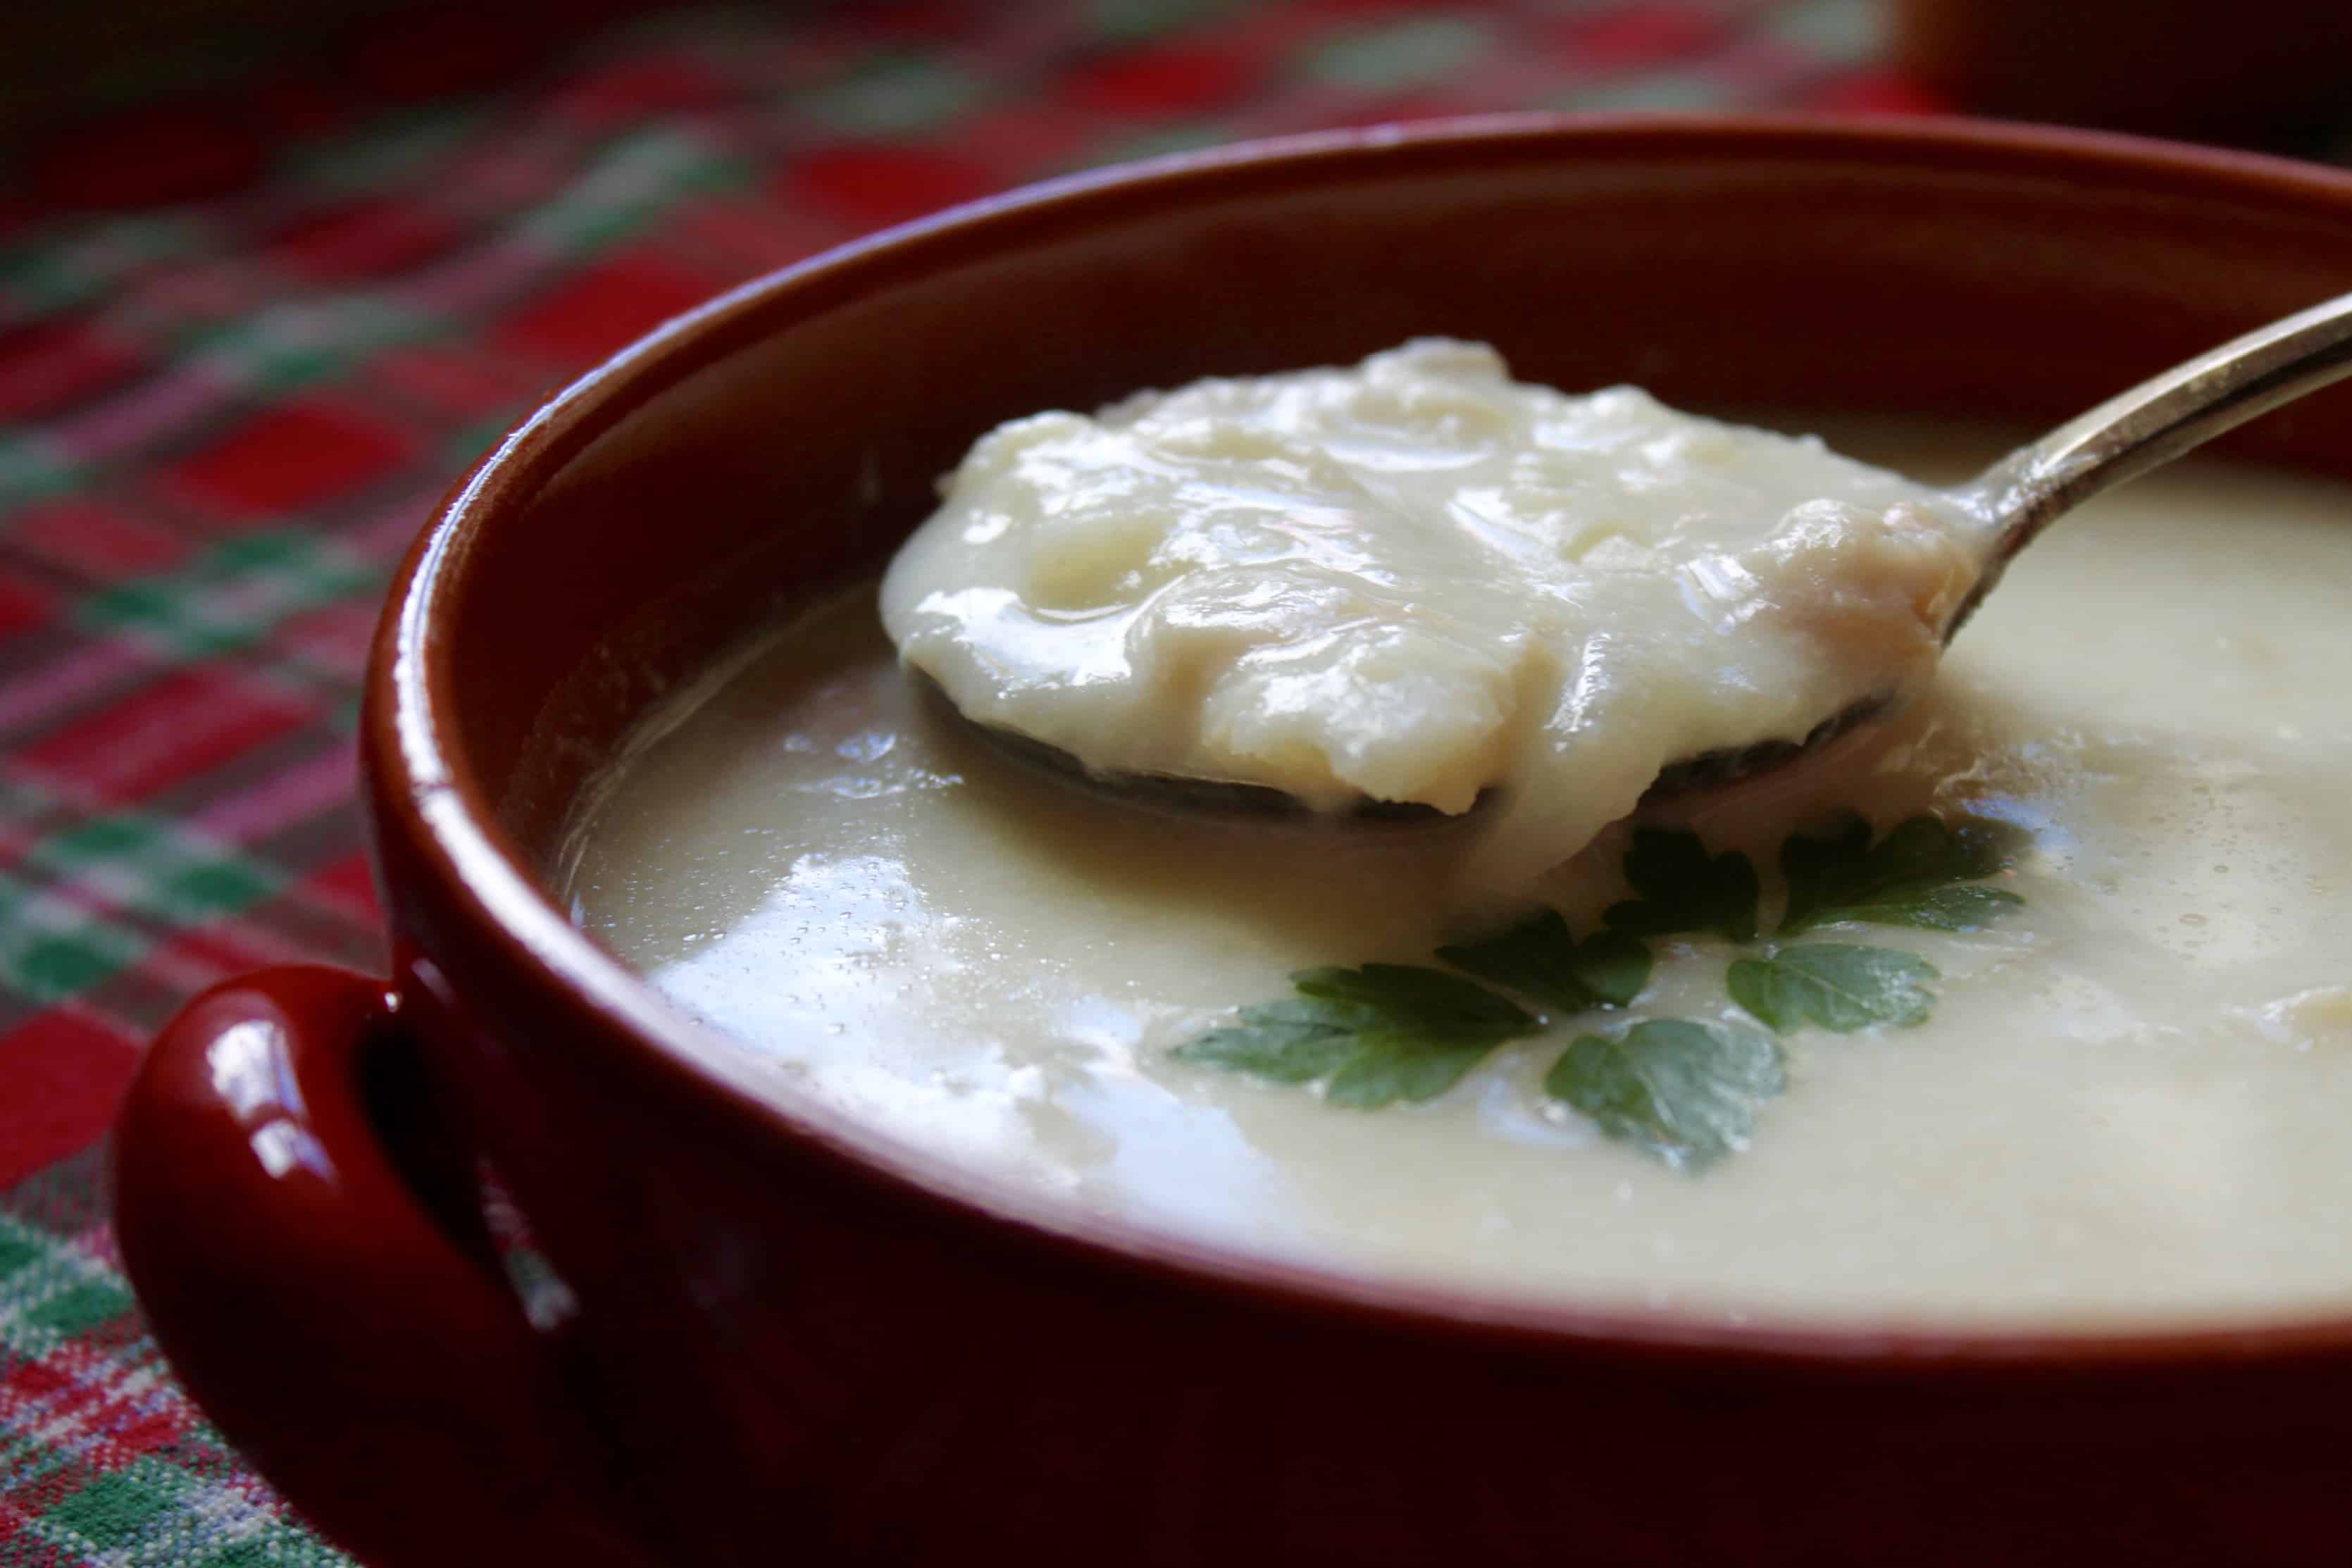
245, 339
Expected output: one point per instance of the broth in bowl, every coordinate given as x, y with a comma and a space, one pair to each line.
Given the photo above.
2086, 1068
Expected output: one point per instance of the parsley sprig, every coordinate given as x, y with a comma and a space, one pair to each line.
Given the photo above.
1922, 873
1684, 1091
1539, 957
1840, 985
1375, 1035
1685, 888
1380, 1034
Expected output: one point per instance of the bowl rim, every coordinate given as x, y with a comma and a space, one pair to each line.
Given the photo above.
424, 788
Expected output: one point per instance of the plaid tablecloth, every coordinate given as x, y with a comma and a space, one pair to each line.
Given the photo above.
246, 339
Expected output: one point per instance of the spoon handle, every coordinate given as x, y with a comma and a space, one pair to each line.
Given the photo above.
2152, 424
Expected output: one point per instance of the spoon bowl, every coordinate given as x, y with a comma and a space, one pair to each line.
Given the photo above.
2012, 500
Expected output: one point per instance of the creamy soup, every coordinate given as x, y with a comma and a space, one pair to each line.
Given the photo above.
2129, 1104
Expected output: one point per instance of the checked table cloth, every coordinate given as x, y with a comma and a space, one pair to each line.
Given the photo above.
252, 325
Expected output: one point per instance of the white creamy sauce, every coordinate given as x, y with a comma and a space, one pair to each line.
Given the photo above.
1417, 579
2131, 1105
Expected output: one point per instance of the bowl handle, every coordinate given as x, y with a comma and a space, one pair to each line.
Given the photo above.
305, 1240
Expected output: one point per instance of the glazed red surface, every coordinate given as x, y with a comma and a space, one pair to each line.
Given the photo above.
275, 1171
873, 1357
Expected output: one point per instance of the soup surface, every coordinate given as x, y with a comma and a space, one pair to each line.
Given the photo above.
2130, 1103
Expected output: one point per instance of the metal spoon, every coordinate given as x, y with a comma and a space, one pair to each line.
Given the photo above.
2013, 501
2021, 494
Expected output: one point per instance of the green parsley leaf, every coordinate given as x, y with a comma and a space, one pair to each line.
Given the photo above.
1296, 1041
1429, 1001
1685, 888
1382, 1033
1685, 1092
1540, 957
1840, 985
1921, 874
1411, 1068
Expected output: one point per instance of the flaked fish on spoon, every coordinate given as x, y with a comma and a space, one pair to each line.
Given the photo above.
2011, 503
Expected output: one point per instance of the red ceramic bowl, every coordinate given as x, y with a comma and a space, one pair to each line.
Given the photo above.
782, 1336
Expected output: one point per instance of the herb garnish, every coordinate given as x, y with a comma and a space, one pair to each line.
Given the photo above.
1921, 873
1539, 957
1685, 1092
1685, 888
1840, 985
1382, 1033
